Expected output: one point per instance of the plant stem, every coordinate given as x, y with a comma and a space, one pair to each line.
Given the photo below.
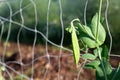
99, 15
103, 67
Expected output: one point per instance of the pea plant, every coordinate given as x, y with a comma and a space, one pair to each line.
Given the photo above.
93, 37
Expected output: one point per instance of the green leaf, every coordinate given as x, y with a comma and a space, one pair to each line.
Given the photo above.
101, 31
76, 48
86, 36
88, 41
88, 56
95, 65
96, 52
86, 30
99, 72
104, 53
105, 59
68, 29
88, 33
92, 64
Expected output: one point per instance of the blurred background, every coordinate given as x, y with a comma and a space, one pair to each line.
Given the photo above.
71, 9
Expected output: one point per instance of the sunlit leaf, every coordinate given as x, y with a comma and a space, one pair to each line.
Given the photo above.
86, 36
88, 33
85, 29
101, 31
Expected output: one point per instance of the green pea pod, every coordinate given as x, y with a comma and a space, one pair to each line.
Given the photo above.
76, 48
